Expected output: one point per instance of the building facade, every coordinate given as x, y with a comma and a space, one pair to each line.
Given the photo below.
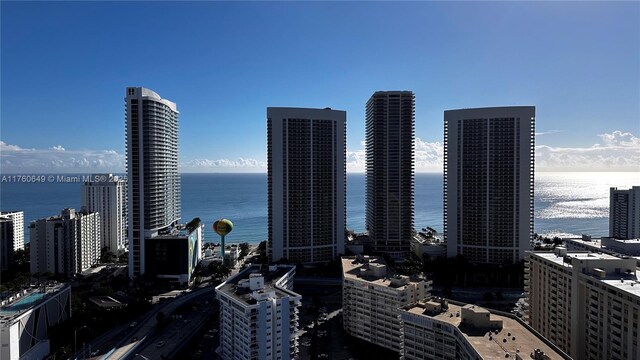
444, 330
306, 179
489, 156
372, 298
607, 245
174, 256
390, 133
588, 304
153, 182
65, 244
624, 213
26, 318
107, 195
259, 314
11, 236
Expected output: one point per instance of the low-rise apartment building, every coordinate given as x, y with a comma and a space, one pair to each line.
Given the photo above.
445, 330
259, 314
372, 297
588, 304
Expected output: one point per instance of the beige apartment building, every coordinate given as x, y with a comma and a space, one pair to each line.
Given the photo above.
588, 304
445, 330
372, 297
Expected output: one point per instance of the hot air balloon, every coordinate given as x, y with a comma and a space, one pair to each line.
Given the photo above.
222, 227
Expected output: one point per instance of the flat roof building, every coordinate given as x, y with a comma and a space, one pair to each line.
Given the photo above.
442, 329
428, 243
259, 314
588, 304
607, 245
107, 194
173, 256
489, 156
11, 236
306, 184
624, 213
390, 134
68, 243
25, 320
372, 297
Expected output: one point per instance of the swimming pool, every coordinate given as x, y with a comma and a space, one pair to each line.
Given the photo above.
24, 303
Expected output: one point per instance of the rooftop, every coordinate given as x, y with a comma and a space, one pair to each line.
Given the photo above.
373, 269
22, 301
513, 337
560, 260
627, 281
271, 276
597, 241
182, 230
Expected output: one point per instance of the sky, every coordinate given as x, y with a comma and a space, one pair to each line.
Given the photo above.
65, 66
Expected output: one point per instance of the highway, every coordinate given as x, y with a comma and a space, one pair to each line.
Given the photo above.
152, 341
122, 342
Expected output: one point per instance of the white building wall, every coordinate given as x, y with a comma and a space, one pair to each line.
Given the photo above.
522, 170
281, 208
586, 317
371, 312
624, 213
11, 236
107, 196
25, 335
163, 195
17, 217
65, 244
264, 330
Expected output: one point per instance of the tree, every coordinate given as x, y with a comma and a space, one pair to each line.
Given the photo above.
262, 247
244, 249
105, 255
21, 258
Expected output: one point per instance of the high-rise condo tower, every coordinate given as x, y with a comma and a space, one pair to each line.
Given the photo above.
488, 183
306, 184
153, 185
390, 129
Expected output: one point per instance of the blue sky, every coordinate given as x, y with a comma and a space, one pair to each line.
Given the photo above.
65, 66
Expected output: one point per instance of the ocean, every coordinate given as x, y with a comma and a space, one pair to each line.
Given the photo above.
566, 204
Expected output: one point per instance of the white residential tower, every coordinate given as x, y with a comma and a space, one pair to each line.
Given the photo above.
489, 156
306, 179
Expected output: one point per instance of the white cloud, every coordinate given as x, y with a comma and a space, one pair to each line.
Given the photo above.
428, 157
619, 152
548, 132
15, 159
356, 160
6, 147
222, 165
618, 138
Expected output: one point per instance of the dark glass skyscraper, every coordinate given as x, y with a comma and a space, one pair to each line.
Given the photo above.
390, 128
153, 185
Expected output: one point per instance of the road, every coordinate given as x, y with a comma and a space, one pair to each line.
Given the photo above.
168, 341
123, 341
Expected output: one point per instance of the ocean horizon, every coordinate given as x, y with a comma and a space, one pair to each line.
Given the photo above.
566, 203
